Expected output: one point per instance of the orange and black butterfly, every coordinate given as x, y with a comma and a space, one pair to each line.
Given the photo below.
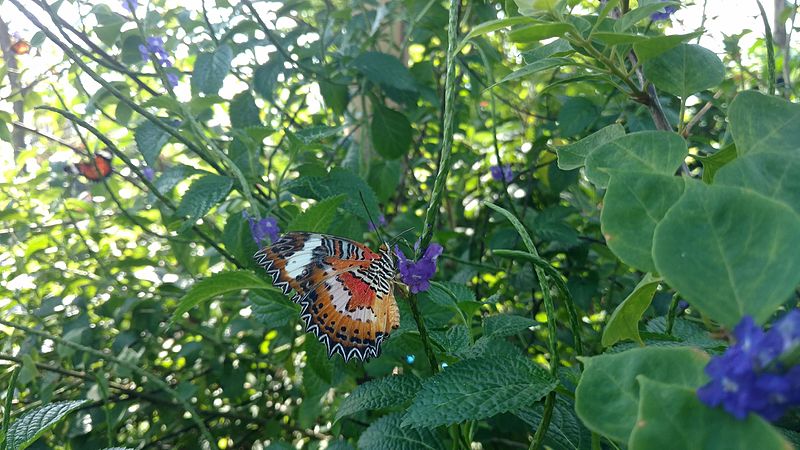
21, 47
344, 288
94, 170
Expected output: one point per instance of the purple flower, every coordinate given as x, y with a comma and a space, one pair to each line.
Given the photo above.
752, 375
172, 79
664, 15
130, 5
148, 173
381, 223
417, 275
261, 229
500, 173
154, 46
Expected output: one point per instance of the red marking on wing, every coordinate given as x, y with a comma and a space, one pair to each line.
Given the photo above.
362, 293
97, 170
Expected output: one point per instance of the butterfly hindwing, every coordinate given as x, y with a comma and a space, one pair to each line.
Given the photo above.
343, 287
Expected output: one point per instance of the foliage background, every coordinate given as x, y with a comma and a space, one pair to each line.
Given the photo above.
289, 110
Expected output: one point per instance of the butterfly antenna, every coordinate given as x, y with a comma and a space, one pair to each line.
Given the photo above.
400, 236
374, 226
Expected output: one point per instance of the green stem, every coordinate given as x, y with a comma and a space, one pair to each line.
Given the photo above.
7, 408
770, 50
538, 437
198, 421
444, 168
673, 311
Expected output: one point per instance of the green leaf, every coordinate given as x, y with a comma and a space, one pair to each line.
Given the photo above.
219, 284
5, 134
28, 428
729, 252
656, 45
634, 16
672, 416
150, 139
536, 66
566, 432
646, 151
455, 341
633, 205
384, 392
273, 309
210, 69
506, 325
624, 321
388, 72
479, 388
266, 77
607, 397
108, 25
492, 25
575, 115
763, 123
713, 163
386, 433
610, 38
339, 181
391, 132
772, 175
318, 217
538, 31
202, 195
244, 112
685, 69
574, 155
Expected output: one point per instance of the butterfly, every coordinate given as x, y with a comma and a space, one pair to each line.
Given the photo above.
21, 47
94, 170
345, 290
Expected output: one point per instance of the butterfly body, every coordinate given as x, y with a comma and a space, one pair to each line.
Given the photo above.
345, 289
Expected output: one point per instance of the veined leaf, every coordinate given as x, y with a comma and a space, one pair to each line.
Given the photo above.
219, 284
381, 393
28, 428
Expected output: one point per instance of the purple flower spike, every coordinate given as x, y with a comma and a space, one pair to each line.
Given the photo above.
417, 275
172, 79
154, 45
501, 173
130, 5
262, 229
669, 10
753, 374
148, 173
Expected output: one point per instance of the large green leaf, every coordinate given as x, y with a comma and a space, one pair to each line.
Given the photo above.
575, 115
479, 388
339, 181
729, 252
273, 309
763, 123
318, 217
506, 325
607, 397
633, 205
150, 139
28, 428
389, 72
574, 155
671, 416
538, 31
624, 321
685, 69
243, 111
566, 432
381, 393
219, 284
656, 45
266, 77
492, 25
202, 195
636, 15
387, 433
391, 132
646, 151
210, 69
774, 175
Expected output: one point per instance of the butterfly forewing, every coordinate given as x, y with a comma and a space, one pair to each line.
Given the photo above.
343, 287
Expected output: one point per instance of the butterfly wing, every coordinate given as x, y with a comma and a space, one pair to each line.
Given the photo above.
95, 171
343, 287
